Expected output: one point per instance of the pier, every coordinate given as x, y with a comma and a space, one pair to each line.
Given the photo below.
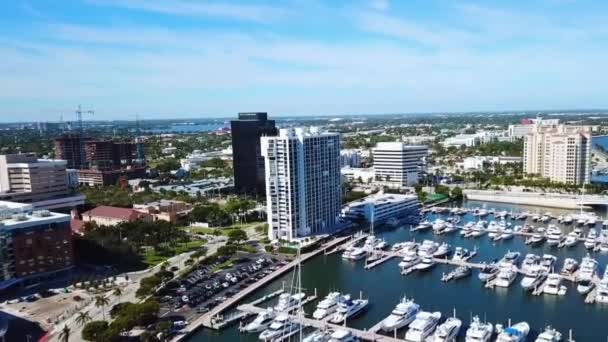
368, 335
207, 320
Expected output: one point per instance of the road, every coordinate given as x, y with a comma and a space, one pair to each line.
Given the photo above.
128, 295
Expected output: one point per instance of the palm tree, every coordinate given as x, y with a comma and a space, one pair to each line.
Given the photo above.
83, 317
101, 301
64, 335
117, 292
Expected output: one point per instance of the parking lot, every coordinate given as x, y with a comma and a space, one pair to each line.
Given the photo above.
207, 286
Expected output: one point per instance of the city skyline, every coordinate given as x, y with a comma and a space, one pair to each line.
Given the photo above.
190, 59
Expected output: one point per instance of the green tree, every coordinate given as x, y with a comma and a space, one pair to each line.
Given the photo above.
237, 236
94, 331
117, 292
64, 335
456, 193
101, 302
82, 318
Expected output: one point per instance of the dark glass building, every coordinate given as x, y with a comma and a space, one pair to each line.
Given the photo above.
247, 159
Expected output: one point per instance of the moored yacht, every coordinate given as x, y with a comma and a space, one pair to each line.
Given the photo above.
569, 267
423, 326
425, 264
585, 275
535, 240
529, 261
282, 326
447, 331
548, 261
343, 335
327, 306
460, 254
488, 272
427, 248
535, 277
554, 286
515, 333
423, 225
439, 226
318, 336
549, 335
409, 260
571, 239
261, 322
506, 276
443, 250
478, 331
348, 308
403, 314
590, 241
288, 302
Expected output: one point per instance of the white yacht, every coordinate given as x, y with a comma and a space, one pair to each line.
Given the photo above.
494, 230
261, 322
426, 264
507, 234
548, 262
515, 333
482, 212
327, 306
318, 336
447, 331
347, 309
478, 331
403, 314
460, 254
530, 260
549, 335
488, 272
554, 286
427, 248
439, 226
288, 302
423, 225
569, 267
506, 276
443, 250
282, 326
423, 326
585, 275
535, 240
511, 258
590, 241
601, 295
567, 219
571, 239
535, 277
554, 237
467, 229
356, 253
343, 335
409, 260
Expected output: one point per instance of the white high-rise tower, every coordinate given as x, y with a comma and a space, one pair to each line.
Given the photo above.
303, 182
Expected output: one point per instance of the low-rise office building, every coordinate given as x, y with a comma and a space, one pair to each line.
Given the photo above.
165, 210
111, 216
385, 208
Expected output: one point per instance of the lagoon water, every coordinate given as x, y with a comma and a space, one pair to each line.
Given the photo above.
384, 286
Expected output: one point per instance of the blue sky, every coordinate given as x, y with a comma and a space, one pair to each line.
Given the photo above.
195, 58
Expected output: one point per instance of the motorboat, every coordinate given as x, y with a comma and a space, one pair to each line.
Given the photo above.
591, 221
425, 264
511, 258
460, 254
423, 326
447, 331
554, 237
467, 229
318, 336
567, 219
439, 226
506, 276
409, 260
402, 315
479, 229
507, 234
282, 326
404, 246
515, 333
529, 261
571, 239
585, 275
347, 252
482, 212
288, 302
553, 285
423, 225
427, 248
536, 217
357, 253
327, 306
479, 331
590, 241
458, 273
348, 308
488, 272
548, 262
494, 230
585, 286
549, 335
443, 250
534, 278
535, 240
261, 322
343, 335
569, 267
601, 295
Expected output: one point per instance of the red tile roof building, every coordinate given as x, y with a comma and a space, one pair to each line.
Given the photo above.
110, 216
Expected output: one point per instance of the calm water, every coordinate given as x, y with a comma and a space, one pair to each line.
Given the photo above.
384, 286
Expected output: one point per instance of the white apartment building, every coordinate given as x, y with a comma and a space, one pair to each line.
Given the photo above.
398, 163
418, 139
303, 182
350, 158
561, 153
468, 140
383, 206
358, 174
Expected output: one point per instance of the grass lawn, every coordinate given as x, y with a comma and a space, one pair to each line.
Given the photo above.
152, 258
223, 230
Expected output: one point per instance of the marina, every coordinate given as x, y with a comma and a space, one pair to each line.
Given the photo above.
381, 282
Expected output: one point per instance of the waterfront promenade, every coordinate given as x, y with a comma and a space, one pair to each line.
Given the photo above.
551, 200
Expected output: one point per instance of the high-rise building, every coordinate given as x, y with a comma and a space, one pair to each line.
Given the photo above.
303, 185
561, 153
69, 148
35, 244
248, 163
399, 163
41, 182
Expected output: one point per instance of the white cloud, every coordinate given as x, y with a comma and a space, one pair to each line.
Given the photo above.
380, 5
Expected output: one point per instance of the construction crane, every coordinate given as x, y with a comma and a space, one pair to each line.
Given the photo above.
79, 114
141, 158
